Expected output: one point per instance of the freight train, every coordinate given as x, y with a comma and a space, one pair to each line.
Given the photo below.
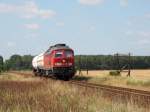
57, 61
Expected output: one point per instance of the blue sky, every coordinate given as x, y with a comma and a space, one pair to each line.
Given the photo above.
88, 26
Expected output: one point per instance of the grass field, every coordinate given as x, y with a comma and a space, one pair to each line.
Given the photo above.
33, 94
139, 79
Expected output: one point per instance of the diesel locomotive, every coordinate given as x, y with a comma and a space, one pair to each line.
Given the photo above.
57, 61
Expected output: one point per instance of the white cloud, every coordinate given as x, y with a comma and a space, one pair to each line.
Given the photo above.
31, 10
144, 34
32, 26
61, 24
11, 44
45, 14
147, 15
90, 2
27, 10
129, 32
5, 8
139, 34
143, 42
129, 23
92, 28
32, 35
124, 3
141, 37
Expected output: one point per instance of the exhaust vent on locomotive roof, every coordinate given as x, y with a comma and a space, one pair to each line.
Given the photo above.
60, 45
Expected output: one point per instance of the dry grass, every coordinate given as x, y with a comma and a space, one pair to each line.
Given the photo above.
141, 74
140, 79
54, 96
137, 74
16, 77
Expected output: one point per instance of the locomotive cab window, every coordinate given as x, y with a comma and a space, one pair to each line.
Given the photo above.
68, 53
58, 54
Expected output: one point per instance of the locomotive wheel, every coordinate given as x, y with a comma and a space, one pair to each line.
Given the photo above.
67, 78
35, 74
62, 77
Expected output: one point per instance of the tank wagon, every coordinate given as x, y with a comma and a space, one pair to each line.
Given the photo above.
57, 61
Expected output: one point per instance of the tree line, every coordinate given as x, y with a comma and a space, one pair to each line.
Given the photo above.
96, 62
92, 62
16, 62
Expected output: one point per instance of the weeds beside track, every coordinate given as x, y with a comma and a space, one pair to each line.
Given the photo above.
134, 96
139, 97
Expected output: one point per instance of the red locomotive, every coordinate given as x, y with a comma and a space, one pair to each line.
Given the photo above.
58, 61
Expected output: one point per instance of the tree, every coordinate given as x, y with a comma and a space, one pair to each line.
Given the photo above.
15, 62
27, 61
6, 65
1, 64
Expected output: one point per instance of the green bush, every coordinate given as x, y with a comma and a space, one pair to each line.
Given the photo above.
114, 73
134, 82
138, 82
146, 83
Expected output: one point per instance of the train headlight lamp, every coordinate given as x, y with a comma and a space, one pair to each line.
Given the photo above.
64, 61
58, 64
70, 64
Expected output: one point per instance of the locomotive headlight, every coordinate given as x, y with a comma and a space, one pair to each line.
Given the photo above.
64, 61
58, 64
70, 64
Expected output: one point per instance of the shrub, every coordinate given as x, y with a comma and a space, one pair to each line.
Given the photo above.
114, 73
146, 83
134, 82
138, 82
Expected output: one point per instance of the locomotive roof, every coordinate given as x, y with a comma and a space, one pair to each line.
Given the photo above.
58, 46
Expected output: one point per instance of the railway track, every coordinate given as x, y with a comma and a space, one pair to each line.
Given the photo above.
135, 96
112, 88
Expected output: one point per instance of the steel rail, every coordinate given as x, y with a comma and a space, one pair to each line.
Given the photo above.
113, 88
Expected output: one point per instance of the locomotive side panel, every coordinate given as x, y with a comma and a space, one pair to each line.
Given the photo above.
48, 60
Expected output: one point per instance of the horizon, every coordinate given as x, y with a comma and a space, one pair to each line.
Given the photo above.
89, 27
81, 55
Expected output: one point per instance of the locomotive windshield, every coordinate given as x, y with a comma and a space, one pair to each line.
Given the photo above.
58, 54
65, 53
68, 53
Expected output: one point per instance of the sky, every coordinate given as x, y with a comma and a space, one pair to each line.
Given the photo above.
87, 26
